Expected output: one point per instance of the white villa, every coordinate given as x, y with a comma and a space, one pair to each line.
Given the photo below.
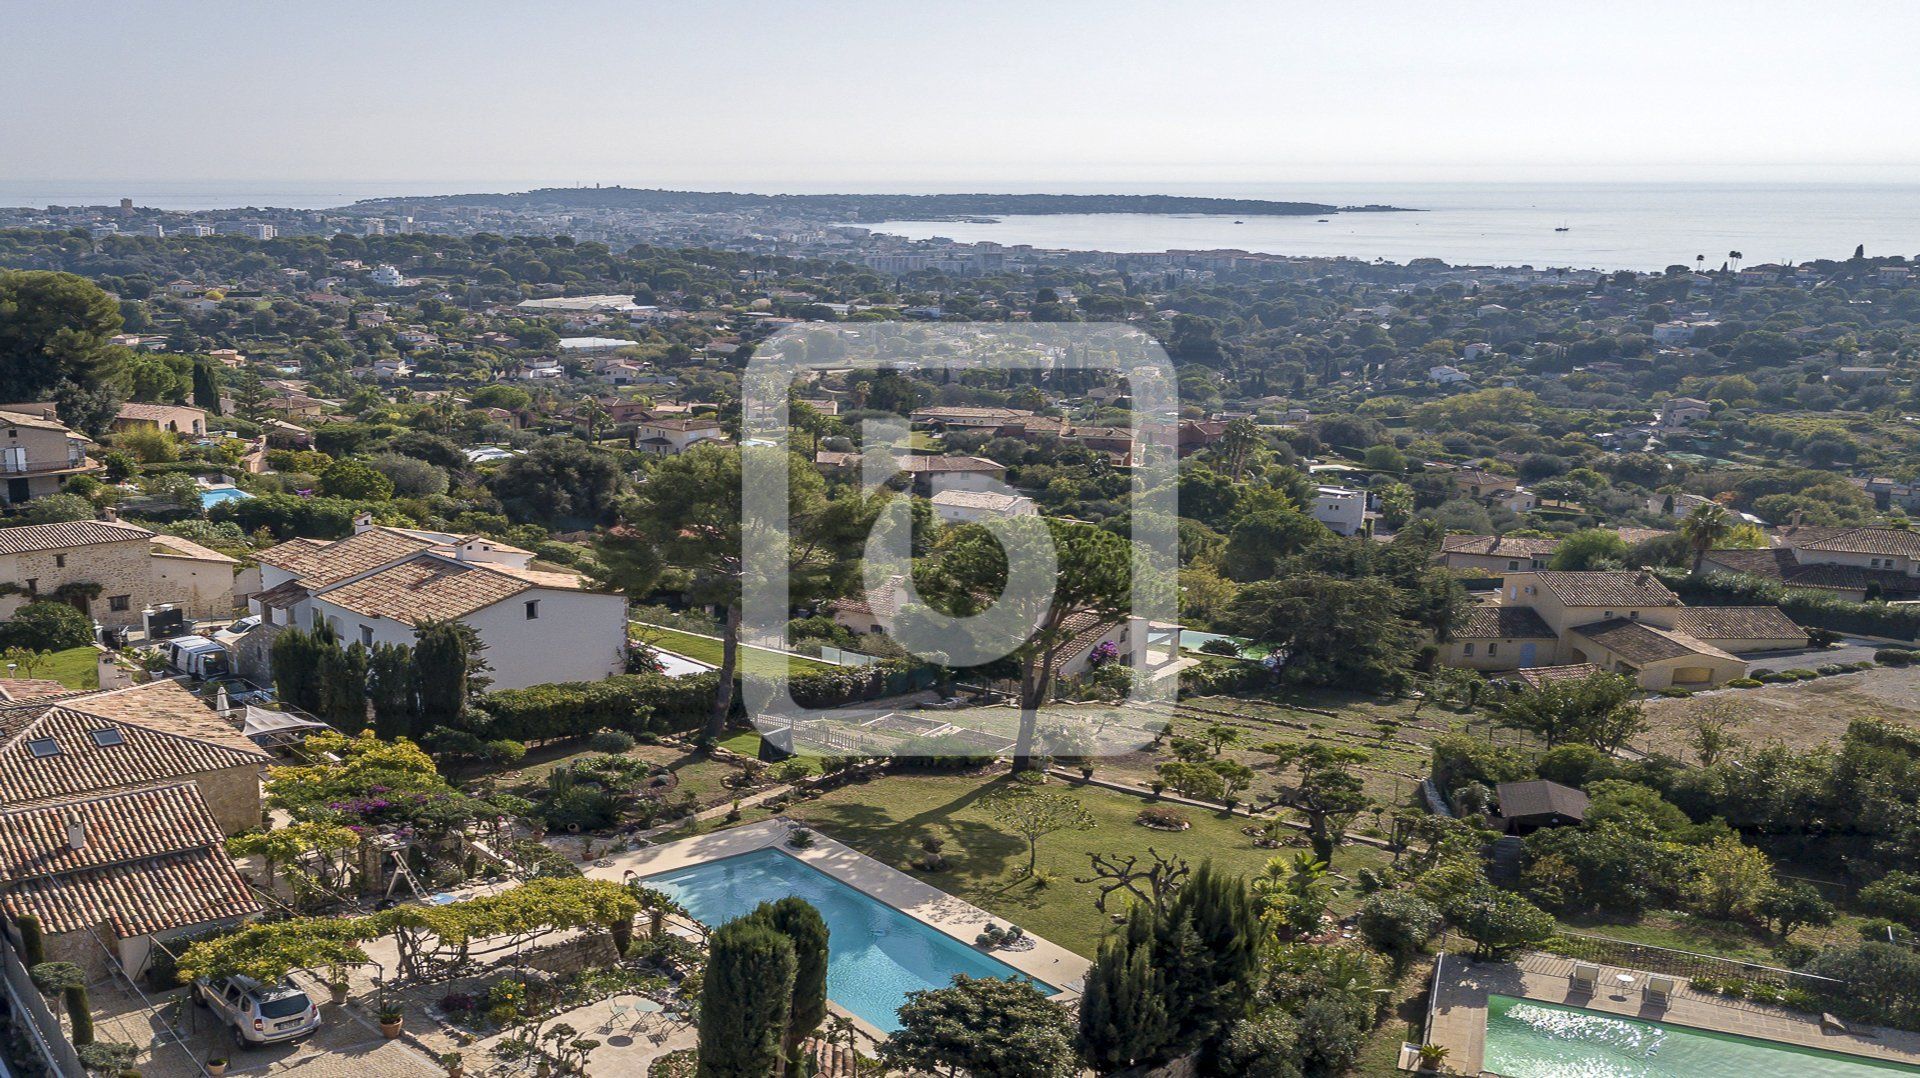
378, 585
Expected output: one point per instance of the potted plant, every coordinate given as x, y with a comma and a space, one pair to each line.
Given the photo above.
217, 1066
1433, 1059
390, 1022
337, 986
454, 1064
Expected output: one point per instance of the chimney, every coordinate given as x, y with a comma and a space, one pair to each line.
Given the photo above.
362, 522
1797, 514
76, 831
109, 513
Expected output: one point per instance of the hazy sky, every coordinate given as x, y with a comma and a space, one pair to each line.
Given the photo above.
914, 94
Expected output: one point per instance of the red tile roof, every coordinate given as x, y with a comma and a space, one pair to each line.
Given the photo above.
151, 862
165, 733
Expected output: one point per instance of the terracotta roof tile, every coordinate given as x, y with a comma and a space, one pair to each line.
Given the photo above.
1736, 623
1503, 623
1629, 588
68, 533
164, 733
151, 862
320, 564
1852, 540
429, 589
1498, 546
1640, 643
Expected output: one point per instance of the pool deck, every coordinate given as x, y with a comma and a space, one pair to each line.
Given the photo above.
1460, 1010
1040, 959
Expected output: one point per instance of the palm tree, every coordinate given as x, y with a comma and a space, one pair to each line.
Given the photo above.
1704, 528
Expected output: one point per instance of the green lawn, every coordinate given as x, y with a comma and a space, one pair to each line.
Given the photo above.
76, 668
706, 649
747, 743
886, 817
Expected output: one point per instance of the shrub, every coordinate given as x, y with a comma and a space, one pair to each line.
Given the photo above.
1745, 683
46, 626
1163, 819
611, 742
1398, 924
1676, 694
1894, 656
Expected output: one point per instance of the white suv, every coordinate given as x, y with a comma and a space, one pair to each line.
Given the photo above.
259, 1014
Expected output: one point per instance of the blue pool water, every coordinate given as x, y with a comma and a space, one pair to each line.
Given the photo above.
216, 495
875, 953
1527, 1039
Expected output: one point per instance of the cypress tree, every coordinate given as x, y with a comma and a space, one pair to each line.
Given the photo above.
745, 1001
1123, 1013
342, 675
295, 658
33, 942
797, 919
1206, 948
206, 387
440, 655
390, 689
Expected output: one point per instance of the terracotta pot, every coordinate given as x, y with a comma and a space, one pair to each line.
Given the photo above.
390, 1030
217, 1069
338, 992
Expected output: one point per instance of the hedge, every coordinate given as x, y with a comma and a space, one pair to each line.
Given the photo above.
656, 704
1811, 609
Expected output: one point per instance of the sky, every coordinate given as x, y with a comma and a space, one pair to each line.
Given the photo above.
917, 95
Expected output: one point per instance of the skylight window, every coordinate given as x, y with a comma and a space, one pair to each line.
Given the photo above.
108, 736
43, 747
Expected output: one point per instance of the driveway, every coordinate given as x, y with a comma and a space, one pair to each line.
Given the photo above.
1851, 649
345, 1045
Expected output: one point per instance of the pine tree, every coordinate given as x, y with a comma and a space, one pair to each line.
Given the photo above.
798, 920
745, 1001
1123, 1013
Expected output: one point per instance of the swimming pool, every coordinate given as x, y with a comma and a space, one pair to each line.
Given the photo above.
213, 496
1528, 1039
875, 953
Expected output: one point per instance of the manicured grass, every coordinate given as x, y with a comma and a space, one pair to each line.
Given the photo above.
76, 668
747, 743
887, 817
707, 649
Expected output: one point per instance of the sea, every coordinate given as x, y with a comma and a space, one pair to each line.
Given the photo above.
1607, 225
1611, 226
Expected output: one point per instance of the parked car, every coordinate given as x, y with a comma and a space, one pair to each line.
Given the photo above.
259, 1014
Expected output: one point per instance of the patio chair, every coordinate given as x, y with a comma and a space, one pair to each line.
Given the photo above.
619, 1011
1586, 976
1660, 989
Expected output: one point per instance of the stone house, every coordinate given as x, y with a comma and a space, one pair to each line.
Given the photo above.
134, 570
38, 453
1625, 622
109, 875
172, 418
117, 739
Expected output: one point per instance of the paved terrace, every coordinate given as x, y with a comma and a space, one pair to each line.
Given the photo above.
1040, 959
1460, 1010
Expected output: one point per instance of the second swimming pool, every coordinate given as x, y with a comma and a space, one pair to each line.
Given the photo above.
1528, 1039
